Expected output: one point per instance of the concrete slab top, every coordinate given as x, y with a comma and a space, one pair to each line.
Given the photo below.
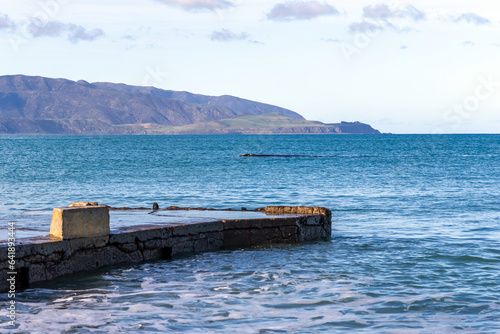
34, 226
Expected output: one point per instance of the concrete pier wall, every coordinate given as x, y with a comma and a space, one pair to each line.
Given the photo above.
40, 259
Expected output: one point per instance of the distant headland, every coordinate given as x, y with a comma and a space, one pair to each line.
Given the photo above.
38, 105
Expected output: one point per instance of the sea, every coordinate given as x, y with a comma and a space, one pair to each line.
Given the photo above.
415, 245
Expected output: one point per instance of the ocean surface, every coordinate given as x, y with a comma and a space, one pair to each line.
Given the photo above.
415, 245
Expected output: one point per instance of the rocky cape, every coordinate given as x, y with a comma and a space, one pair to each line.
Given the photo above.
38, 105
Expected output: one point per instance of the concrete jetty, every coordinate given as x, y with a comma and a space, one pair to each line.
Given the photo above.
85, 237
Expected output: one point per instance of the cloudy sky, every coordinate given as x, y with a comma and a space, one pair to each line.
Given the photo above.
403, 66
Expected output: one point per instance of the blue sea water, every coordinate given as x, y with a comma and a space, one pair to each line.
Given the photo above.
415, 246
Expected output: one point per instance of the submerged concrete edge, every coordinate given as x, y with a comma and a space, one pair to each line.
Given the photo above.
42, 261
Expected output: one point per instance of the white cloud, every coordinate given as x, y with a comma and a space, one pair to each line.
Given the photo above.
470, 18
379, 17
199, 5
37, 28
253, 41
79, 33
226, 35
300, 10
6, 22
332, 40
76, 33
414, 13
379, 11
382, 11
468, 44
364, 26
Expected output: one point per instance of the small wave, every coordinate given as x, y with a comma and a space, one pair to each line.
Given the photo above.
466, 258
298, 305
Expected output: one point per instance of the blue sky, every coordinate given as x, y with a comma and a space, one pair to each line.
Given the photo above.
401, 66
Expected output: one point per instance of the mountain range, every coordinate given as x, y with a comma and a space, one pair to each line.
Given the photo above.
39, 105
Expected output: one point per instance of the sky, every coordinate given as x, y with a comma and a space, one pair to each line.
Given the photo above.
402, 66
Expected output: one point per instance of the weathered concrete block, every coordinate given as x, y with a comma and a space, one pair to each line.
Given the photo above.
135, 256
84, 243
35, 258
215, 240
310, 233
112, 255
127, 248
152, 244
195, 229
237, 238
122, 238
37, 273
48, 248
151, 254
281, 210
143, 233
181, 245
3, 254
80, 204
55, 257
263, 236
21, 251
86, 259
79, 222
55, 269
25, 250
258, 223
313, 220
201, 245
289, 232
